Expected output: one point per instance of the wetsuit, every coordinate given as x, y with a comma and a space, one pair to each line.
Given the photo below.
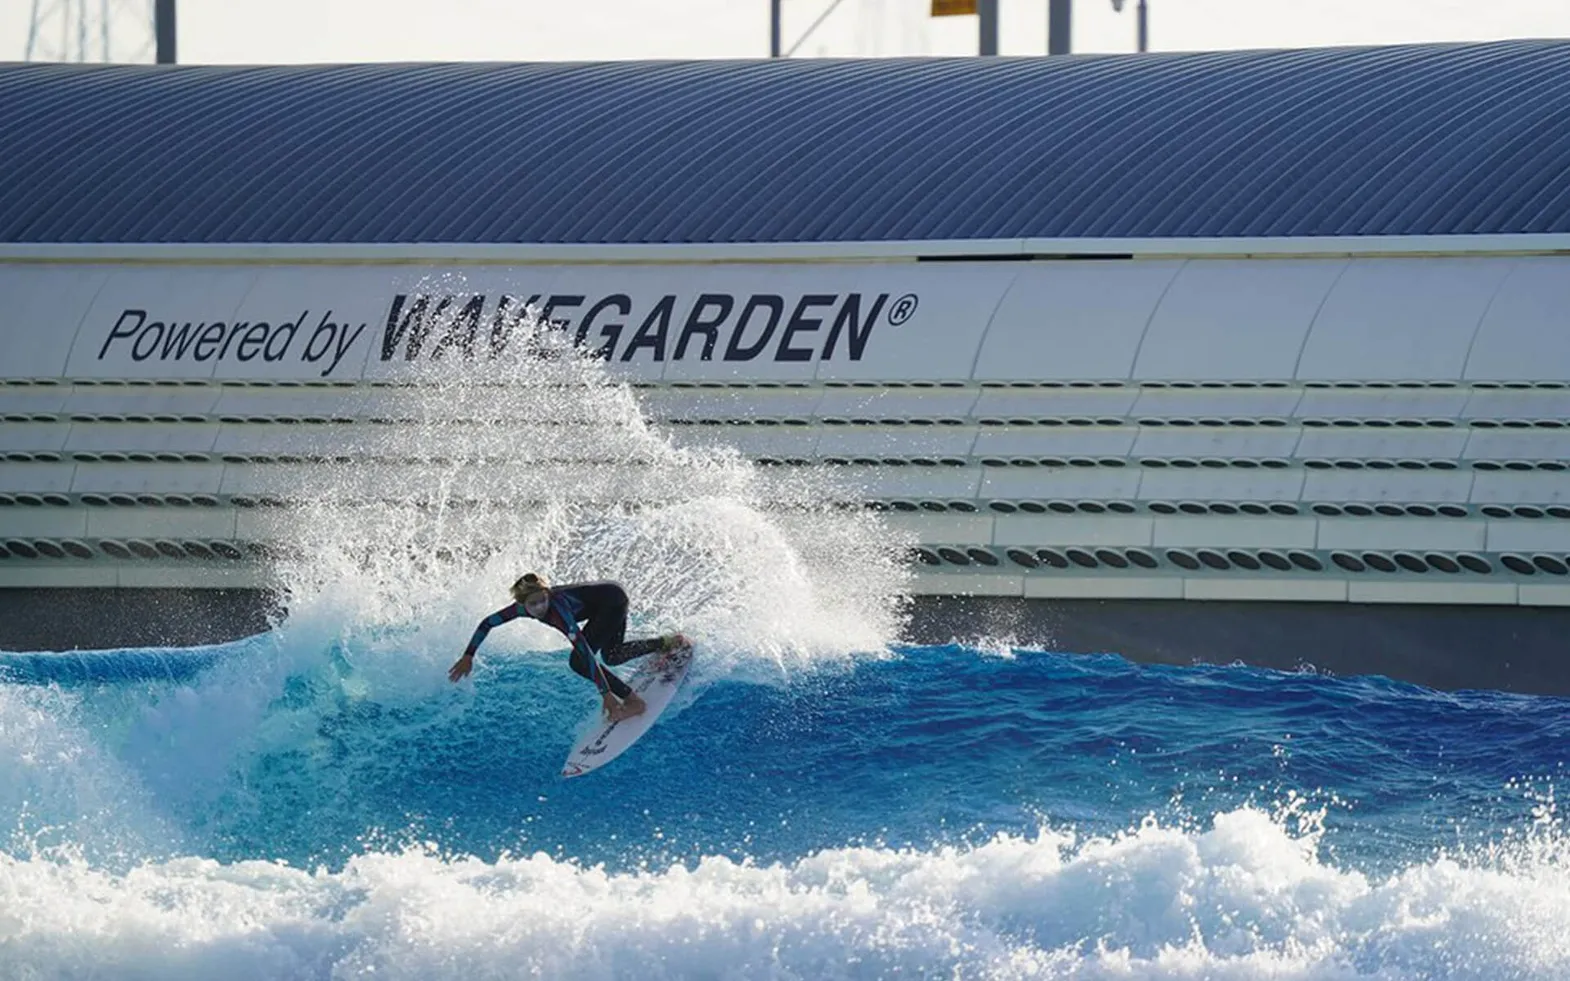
593, 616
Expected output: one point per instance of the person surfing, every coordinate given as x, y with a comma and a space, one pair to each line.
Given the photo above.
593, 618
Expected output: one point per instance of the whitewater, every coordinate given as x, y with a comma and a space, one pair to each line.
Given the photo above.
822, 800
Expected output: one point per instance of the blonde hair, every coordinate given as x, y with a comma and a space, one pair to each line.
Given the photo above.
529, 582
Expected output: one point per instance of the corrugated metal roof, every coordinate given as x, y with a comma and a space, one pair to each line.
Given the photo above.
1413, 140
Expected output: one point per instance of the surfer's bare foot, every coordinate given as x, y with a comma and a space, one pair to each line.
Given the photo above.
631, 706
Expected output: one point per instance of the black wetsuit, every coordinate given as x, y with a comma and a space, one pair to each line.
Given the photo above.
593, 616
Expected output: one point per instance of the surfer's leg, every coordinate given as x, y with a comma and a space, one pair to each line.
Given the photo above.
624, 652
606, 631
579, 662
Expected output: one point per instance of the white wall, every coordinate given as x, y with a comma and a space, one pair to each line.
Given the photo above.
1361, 318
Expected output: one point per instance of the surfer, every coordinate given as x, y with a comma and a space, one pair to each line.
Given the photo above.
601, 609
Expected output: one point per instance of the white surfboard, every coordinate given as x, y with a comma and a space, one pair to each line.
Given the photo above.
655, 680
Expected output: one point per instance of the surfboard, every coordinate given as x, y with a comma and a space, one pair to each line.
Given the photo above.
655, 680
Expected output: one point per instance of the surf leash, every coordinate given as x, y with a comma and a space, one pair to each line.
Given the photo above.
575, 634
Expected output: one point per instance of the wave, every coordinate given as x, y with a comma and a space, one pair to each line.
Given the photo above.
1250, 896
543, 460
282, 746
138, 809
319, 801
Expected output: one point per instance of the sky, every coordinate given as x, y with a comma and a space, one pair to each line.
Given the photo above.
276, 31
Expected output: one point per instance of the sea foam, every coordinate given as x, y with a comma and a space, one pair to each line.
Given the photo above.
1249, 896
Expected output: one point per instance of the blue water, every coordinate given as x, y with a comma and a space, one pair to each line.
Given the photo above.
288, 808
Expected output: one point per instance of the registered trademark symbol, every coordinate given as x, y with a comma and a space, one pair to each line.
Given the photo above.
903, 309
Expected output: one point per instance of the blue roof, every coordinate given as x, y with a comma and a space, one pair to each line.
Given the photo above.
1411, 140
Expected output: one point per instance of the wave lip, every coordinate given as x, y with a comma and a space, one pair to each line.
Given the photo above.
545, 459
1248, 897
105, 667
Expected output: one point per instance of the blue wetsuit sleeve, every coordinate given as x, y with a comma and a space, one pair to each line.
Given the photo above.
494, 620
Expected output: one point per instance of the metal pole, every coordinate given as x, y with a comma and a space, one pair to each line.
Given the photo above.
774, 28
1144, 28
1060, 30
988, 42
163, 26
32, 33
815, 25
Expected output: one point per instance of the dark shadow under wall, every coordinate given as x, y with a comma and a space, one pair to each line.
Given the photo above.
1520, 649
1506, 648
100, 619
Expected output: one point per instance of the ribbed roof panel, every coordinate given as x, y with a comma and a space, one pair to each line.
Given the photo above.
1415, 140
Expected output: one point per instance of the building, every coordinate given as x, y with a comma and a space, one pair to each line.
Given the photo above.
1284, 325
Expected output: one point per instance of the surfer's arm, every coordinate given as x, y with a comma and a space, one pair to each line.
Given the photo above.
496, 619
465, 663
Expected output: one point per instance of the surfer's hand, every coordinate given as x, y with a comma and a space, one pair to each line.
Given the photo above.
462, 668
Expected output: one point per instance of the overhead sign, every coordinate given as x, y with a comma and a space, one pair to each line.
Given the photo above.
619, 327
782, 322
953, 8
